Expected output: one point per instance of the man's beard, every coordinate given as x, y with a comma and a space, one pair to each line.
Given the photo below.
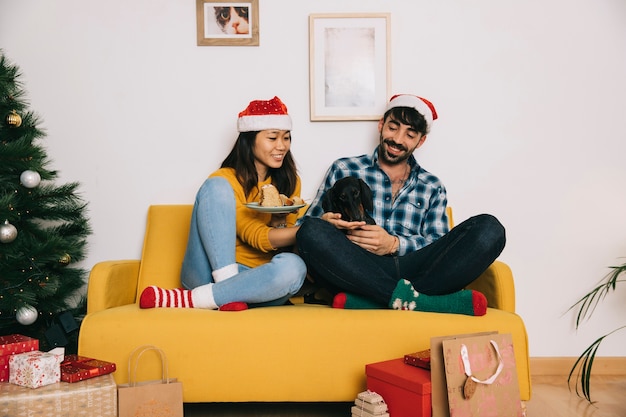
392, 159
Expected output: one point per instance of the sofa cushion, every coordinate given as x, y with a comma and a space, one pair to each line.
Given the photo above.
287, 353
164, 246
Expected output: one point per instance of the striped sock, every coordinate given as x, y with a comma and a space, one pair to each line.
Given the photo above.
153, 297
469, 302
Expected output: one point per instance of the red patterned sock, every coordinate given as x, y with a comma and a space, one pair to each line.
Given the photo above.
153, 297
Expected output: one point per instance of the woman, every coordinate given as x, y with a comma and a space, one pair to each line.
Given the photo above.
236, 255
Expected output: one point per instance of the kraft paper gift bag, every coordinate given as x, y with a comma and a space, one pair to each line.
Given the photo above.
481, 376
439, 389
163, 397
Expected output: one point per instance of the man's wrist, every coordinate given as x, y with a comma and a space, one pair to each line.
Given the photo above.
395, 248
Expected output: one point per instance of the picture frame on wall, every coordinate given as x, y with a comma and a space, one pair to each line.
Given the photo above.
349, 66
227, 22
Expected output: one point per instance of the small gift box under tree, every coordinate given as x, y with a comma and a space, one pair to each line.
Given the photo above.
36, 369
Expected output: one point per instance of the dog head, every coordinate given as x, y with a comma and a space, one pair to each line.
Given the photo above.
352, 198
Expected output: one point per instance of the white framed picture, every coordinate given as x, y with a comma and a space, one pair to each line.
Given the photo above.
349, 66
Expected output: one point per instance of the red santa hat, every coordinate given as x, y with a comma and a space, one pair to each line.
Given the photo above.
264, 115
423, 106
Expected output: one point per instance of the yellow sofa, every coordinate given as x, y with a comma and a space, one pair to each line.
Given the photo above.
299, 353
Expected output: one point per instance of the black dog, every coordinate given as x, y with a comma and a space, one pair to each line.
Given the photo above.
351, 197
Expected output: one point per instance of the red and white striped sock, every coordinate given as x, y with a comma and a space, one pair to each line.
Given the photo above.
153, 297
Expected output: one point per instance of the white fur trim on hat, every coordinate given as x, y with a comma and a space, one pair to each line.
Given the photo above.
265, 122
424, 107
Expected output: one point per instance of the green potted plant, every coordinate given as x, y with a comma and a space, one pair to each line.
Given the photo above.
581, 370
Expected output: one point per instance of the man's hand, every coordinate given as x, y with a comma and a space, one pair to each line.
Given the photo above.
370, 237
373, 238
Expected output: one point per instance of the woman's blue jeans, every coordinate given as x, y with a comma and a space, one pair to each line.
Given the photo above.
443, 267
211, 246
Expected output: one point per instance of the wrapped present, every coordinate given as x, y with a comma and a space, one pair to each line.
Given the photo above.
91, 397
75, 368
362, 412
420, 359
36, 369
17, 343
405, 389
10, 345
369, 404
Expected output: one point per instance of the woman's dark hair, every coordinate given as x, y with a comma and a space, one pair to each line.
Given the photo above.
408, 116
241, 159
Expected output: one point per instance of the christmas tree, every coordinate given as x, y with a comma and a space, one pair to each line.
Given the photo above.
43, 229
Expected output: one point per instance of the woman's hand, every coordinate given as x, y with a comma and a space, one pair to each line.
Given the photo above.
280, 235
335, 220
278, 220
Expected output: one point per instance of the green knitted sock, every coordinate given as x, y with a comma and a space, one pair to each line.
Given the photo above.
469, 302
354, 302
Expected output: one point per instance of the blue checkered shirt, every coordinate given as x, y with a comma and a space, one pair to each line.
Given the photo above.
418, 214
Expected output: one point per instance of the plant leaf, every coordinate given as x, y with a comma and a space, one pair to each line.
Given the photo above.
583, 367
588, 303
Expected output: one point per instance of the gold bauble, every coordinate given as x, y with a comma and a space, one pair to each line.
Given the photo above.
14, 119
65, 259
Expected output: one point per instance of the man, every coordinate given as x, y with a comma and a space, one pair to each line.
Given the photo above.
409, 260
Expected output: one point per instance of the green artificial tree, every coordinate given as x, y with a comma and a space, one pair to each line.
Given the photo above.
43, 229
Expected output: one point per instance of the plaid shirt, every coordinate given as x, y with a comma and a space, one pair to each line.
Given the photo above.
418, 214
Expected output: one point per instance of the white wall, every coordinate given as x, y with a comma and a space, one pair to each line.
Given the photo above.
531, 98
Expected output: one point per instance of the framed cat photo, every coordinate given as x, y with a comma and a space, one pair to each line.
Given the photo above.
349, 66
227, 22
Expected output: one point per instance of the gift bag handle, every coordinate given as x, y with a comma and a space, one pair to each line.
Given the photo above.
132, 378
468, 370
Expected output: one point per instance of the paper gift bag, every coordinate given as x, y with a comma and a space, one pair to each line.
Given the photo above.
481, 376
163, 398
439, 393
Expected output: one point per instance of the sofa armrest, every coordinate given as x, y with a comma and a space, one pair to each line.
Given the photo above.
498, 286
112, 284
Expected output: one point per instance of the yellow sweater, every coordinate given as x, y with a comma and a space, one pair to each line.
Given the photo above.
253, 246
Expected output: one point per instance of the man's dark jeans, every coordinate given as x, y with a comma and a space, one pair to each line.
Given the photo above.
445, 266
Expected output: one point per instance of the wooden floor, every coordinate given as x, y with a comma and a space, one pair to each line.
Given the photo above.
551, 398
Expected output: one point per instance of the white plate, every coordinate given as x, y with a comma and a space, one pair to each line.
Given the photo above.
277, 210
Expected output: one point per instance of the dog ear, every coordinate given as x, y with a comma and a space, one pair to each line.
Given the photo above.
327, 201
366, 196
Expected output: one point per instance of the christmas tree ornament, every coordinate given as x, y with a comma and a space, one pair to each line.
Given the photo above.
30, 179
26, 315
14, 119
8, 232
65, 259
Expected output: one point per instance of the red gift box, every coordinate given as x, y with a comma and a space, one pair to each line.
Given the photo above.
406, 389
77, 368
420, 359
10, 345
